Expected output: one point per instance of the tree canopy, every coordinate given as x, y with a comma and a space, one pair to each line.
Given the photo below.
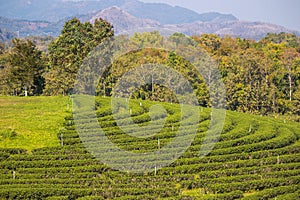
22, 69
68, 51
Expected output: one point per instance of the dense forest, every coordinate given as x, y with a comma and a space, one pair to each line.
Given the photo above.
261, 77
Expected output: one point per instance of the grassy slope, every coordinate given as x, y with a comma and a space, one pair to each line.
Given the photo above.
31, 122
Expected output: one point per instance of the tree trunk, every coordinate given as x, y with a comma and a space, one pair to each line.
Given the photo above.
152, 87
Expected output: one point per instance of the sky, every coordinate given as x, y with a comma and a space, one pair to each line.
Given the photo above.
281, 12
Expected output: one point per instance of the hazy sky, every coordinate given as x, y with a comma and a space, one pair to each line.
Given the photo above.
280, 12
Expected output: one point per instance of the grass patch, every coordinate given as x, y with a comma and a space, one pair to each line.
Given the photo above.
31, 122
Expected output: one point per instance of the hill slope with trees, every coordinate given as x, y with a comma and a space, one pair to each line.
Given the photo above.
261, 77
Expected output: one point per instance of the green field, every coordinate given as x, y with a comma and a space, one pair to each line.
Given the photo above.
31, 122
255, 158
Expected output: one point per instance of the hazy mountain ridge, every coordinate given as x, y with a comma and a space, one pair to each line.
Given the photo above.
166, 14
242, 29
127, 16
24, 27
127, 23
55, 10
51, 10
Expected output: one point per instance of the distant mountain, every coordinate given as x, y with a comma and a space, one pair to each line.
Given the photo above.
242, 29
166, 14
55, 10
127, 23
127, 16
123, 21
24, 27
217, 17
51, 10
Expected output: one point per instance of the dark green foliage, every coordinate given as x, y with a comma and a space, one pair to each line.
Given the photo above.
68, 51
23, 68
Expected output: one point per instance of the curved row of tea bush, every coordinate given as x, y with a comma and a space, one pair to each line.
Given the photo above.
254, 158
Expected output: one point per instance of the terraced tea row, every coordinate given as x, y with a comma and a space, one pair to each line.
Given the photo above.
254, 158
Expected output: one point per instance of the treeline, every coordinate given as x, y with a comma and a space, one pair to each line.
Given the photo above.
261, 77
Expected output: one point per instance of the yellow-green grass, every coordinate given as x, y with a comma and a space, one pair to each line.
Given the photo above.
31, 122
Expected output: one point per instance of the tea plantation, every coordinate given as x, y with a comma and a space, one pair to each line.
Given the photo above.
255, 158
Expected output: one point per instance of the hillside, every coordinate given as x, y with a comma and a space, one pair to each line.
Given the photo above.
127, 23
23, 28
123, 22
255, 158
31, 123
166, 14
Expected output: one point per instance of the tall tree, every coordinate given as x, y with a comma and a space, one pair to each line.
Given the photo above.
68, 51
26, 66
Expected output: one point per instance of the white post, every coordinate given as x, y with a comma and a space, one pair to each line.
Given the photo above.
158, 143
62, 139
26, 92
14, 174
